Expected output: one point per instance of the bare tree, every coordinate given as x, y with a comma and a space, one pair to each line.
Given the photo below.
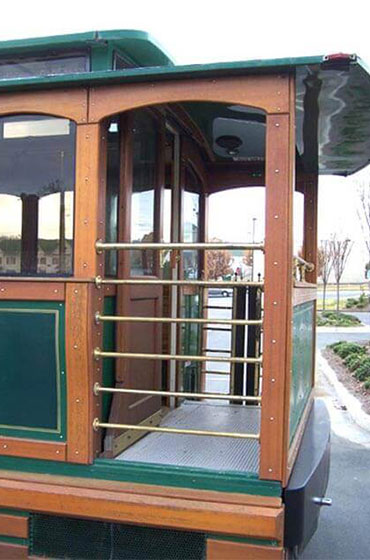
218, 263
363, 212
341, 249
324, 266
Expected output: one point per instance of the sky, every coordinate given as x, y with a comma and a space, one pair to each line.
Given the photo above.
198, 31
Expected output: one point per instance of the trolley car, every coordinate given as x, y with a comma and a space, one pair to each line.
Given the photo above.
115, 439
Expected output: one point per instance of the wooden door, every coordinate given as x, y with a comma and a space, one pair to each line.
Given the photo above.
141, 193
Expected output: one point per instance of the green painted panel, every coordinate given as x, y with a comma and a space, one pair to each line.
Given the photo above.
302, 362
147, 473
191, 335
13, 540
16, 512
109, 342
32, 370
262, 542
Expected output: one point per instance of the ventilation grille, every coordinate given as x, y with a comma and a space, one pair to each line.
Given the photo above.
63, 537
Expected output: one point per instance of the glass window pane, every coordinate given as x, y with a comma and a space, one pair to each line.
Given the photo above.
191, 223
37, 176
24, 67
113, 178
143, 189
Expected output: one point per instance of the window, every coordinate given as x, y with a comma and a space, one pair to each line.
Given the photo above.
37, 176
43, 65
143, 191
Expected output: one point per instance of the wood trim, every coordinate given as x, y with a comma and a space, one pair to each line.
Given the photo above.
191, 156
278, 296
310, 224
223, 176
13, 526
82, 335
192, 129
90, 199
68, 103
157, 511
220, 550
10, 551
32, 449
302, 294
295, 445
20, 290
268, 92
147, 489
41, 279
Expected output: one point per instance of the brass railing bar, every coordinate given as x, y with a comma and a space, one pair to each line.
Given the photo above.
201, 283
218, 396
97, 424
119, 318
182, 358
309, 266
101, 246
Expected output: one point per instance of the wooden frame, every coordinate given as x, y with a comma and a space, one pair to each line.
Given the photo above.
34, 449
278, 293
269, 93
82, 336
13, 526
124, 503
220, 550
20, 290
65, 103
273, 94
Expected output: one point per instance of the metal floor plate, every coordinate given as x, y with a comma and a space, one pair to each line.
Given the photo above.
220, 453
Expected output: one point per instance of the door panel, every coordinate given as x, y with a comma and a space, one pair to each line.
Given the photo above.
141, 190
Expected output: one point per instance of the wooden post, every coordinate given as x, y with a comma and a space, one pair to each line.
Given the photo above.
90, 199
310, 225
83, 299
278, 293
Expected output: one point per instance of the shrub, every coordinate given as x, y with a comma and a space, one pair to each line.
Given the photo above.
351, 302
353, 361
334, 319
363, 301
362, 373
360, 302
337, 344
346, 348
367, 384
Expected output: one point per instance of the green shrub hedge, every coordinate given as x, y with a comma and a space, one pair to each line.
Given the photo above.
356, 358
334, 319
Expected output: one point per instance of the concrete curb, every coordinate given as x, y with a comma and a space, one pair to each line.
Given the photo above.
353, 405
349, 330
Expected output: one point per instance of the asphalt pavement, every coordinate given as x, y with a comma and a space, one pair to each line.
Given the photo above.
344, 528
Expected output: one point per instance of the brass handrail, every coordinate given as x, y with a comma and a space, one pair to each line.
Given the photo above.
181, 358
123, 318
201, 283
309, 266
218, 396
97, 424
101, 246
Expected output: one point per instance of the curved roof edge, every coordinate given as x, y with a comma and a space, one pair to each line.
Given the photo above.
138, 45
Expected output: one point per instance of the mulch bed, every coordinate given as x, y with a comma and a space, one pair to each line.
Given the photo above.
349, 381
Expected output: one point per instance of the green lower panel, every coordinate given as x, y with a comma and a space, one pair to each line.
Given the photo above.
32, 370
302, 361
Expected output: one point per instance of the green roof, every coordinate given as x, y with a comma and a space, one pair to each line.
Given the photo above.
332, 91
